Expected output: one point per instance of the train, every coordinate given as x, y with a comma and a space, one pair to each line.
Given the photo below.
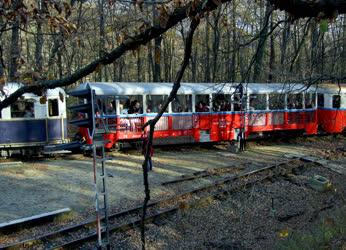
32, 122
201, 113
210, 112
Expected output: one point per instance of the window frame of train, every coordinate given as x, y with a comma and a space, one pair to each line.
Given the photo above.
185, 100
127, 100
53, 107
277, 101
103, 101
293, 96
222, 97
206, 98
309, 99
336, 101
26, 103
320, 100
236, 102
164, 98
263, 101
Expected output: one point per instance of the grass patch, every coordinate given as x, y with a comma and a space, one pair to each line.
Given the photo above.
319, 237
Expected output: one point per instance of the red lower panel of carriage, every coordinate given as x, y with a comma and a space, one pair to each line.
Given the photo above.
209, 127
332, 120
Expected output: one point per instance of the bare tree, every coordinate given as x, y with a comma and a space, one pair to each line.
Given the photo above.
15, 50
133, 41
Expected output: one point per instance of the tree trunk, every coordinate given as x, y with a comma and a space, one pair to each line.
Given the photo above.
2, 66
139, 66
120, 69
193, 61
39, 39
261, 44
102, 70
343, 52
234, 43
321, 62
314, 48
2, 63
216, 42
272, 53
15, 50
59, 63
157, 49
157, 61
150, 62
207, 51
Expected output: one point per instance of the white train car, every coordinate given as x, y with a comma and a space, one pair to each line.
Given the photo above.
29, 124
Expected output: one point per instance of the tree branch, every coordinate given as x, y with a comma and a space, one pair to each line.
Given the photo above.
308, 8
151, 123
179, 14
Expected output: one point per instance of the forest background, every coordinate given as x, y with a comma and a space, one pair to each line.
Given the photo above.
241, 40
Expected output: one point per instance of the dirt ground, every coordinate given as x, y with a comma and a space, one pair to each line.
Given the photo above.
247, 219
242, 221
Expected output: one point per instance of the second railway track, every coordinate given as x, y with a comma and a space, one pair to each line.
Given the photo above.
78, 234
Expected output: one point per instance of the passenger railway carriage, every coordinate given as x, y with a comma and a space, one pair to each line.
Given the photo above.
332, 107
29, 124
215, 112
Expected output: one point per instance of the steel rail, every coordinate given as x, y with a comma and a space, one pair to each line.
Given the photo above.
201, 174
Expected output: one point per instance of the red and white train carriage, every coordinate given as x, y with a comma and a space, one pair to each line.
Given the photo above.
332, 107
205, 112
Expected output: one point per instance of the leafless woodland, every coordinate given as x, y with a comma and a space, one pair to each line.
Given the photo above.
51, 42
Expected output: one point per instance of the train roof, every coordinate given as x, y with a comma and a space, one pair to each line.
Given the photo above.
11, 87
163, 88
330, 88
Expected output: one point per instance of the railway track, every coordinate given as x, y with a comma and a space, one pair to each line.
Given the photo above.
78, 234
204, 174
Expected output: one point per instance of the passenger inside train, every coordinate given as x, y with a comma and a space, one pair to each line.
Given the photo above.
29, 112
182, 103
135, 108
222, 103
202, 107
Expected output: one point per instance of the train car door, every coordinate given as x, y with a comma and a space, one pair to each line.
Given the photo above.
221, 105
203, 116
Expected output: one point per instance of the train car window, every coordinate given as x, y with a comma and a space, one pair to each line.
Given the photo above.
100, 105
336, 101
236, 102
310, 100
276, 101
202, 103
110, 106
53, 107
182, 103
132, 104
295, 101
320, 100
22, 109
155, 103
222, 102
258, 102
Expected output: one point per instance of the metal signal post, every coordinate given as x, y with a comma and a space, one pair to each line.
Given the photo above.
97, 127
